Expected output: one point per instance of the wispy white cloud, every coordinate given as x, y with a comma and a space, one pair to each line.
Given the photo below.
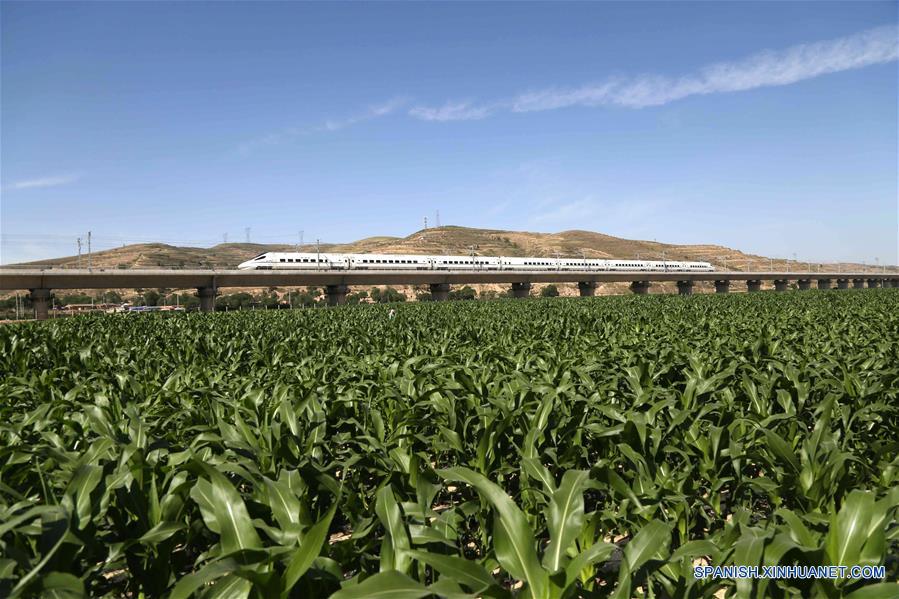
371, 112
454, 111
44, 182
768, 68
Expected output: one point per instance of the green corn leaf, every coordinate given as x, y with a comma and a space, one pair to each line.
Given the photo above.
61, 585
224, 511
389, 584
309, 549
533, 468
86, 479
161, 532
229, 586
782, 450
596, 553
513, 537
397, 539
209, 573
650, 542
565, 518
748, 551
880, 590
849, 529
458, 569
284, 504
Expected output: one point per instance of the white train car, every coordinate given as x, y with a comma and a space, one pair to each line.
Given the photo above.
466, 263
389, 262
332, 261
296, 261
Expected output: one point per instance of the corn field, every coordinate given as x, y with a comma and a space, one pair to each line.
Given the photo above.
543, 448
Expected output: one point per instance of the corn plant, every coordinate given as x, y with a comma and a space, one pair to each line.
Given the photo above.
551, 448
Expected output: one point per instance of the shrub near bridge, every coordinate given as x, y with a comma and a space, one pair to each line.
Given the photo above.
552, 448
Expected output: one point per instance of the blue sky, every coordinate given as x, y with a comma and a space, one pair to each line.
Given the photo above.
767, 127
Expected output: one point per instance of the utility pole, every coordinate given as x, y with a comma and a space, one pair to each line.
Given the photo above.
426, 222
224, 238
300, 247
318, 253
89, 264
438, 219
79, 252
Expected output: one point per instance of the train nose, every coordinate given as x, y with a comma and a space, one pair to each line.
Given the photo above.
244, 265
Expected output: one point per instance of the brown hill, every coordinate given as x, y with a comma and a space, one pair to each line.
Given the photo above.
438, 240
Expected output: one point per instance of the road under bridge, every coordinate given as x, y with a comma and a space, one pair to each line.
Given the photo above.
40, 283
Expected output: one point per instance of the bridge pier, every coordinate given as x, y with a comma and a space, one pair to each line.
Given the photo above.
336, 294
685, 287
753, 285
804, 284
207, 299
440, 291
873, 283
823, 283
858, 283
780, 285
640, 287
521, 290
842, 283
587, 288
892, 283
722, 286
40, 300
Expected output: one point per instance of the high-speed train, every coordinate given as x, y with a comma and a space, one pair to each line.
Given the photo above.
329, 261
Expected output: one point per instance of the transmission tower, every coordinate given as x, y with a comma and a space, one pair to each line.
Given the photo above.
247, 234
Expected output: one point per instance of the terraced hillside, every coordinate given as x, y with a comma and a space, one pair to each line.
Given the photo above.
450, 240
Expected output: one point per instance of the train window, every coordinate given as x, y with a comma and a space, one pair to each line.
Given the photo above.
283, 260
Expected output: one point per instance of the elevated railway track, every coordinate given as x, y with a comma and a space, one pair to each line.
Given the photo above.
40, 283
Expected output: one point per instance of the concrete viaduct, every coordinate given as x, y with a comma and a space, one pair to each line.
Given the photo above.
207, 282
